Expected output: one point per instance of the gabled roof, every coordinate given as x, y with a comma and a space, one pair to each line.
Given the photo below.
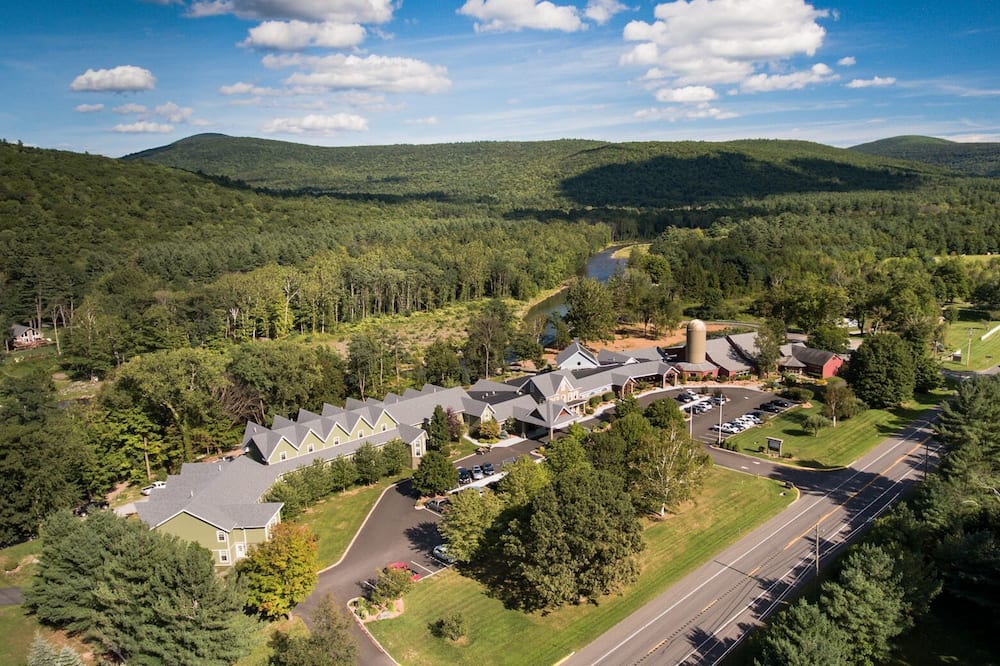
417, 406
547, 384
728, 356
551, 414
18, 330
576, 349
808, 355
610, 357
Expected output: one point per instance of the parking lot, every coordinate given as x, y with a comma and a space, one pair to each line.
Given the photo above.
707, 415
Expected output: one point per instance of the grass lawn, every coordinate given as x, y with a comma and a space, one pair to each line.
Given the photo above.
730, 505
260, 651
336, 520
17, 564
17, 630
832, 447
985, 353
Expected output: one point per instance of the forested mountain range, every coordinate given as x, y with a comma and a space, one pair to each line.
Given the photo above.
543, 174
973, 159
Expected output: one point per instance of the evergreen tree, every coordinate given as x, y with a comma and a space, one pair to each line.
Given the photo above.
803, 636
435, 474
329, 643
881, 371
437, 430
368, 463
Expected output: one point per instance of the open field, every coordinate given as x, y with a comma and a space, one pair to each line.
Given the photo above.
729, 506
985, 353
832, 447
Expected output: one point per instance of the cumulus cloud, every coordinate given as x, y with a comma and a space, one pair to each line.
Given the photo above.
675, 113
143, 127
241, 88
297, 35
429, 120
601, 11
88, 108
818, 73
704, 43
350, 72
343, 12
847, 61
513, 15
174, 113
687, 94
129, 108
124, 78
874, 82
318, 124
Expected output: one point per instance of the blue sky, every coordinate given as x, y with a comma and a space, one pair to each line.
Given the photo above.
118, 76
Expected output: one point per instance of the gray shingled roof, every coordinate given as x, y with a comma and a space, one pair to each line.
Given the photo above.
810, 356
610, 357
575, 348
726, 355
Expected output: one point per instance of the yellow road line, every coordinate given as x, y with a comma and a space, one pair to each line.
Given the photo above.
857, 492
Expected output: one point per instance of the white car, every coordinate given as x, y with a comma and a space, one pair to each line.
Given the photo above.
156, 485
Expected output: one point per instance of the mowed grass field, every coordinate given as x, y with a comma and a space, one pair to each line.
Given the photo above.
729, 506
832, 447
985, 353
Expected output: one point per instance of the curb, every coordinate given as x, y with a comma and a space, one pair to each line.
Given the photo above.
367, 633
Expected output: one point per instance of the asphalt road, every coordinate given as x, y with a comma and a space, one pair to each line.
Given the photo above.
396, 531
702, 617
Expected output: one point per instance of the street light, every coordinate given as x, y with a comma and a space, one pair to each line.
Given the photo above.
721, 404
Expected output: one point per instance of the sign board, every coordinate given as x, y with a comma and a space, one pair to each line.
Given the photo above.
774, 444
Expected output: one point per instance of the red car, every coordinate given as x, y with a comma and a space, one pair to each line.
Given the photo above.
414, 576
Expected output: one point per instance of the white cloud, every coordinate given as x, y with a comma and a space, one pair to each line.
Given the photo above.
874, 82
334, 11
88, 108
675, 113
717, 42
130, 108
298, 35
241, 88
847, 61
143, 127
429, 120
601, 11
174, 113
818, 73
513, 15
687, 94
318, 124
350, 72
124, 78
201, 122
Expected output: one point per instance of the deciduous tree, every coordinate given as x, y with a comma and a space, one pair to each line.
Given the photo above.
280, 572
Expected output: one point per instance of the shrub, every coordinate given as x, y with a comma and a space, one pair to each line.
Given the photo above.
798, 394
594, 401
608, 397
452, 626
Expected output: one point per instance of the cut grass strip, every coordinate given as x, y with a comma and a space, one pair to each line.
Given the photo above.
831, 447
337, 519
729, 506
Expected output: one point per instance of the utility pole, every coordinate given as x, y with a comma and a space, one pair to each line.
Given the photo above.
968, 357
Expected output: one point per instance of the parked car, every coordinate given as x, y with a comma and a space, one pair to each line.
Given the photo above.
685, 397
438, 504
719, 399
156, 485
463, 476
414, 576
488, 469
441, 553
477, 473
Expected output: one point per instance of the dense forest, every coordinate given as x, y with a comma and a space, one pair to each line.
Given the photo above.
973, 159
212, 294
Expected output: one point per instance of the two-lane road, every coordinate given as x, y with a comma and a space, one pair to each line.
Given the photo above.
700, 618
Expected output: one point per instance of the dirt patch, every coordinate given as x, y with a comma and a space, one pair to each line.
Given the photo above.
632, 337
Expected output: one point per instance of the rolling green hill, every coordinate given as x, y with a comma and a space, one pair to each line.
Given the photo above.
973, 159
544, 174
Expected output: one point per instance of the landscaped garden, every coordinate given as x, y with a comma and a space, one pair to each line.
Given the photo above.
830, 447
729, 505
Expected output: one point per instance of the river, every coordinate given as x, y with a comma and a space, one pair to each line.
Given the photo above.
600, 267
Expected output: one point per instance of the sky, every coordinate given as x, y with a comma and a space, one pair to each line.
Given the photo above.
113, 77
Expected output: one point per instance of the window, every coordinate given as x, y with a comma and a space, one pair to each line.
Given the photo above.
241, 550
283, 456
310, 448
384, 427
220, 536
336, 441
224, 556
361, 433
